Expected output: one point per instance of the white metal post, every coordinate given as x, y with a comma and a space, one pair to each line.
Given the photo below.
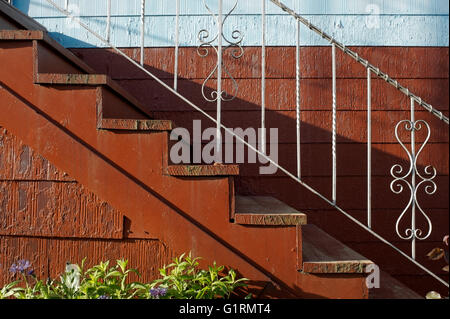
297, 109
369, 148
263, 77
333, 147
108, 21
177, 43
142, 30
413, 182
219, 85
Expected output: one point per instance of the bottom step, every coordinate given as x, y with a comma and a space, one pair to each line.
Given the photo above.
325, 254
391, 288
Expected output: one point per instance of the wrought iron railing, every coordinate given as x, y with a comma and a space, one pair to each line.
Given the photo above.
216, 43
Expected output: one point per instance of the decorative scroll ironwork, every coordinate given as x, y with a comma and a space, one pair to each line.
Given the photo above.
426, 181
233, 44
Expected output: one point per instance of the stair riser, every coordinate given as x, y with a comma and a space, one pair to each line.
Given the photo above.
7, 24
333, 286
47, 60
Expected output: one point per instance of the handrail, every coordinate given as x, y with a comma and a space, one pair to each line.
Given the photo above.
253, 148
365, 63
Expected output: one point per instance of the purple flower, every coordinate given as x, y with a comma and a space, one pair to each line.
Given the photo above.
104, 297
21, 266
158, 292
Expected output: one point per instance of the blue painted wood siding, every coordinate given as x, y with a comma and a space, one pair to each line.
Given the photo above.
353, 22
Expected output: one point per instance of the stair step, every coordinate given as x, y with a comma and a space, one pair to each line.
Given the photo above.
19, 35
71, 79
136, 125
87, 79
202, 170
42, 35
20, 18
266, 210
391, 288
325, 254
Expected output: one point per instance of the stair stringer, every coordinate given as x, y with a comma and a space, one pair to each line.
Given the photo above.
187, 214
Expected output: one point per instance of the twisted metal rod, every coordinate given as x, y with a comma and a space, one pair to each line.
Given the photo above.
365, 63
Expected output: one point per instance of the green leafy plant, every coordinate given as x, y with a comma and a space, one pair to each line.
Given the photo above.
181, 279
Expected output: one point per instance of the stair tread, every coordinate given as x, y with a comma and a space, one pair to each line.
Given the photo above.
21, 35
324, 254
69, 79
88, 79
136, 125
266, 210
202, 170
58, 78
33, 34
391, 288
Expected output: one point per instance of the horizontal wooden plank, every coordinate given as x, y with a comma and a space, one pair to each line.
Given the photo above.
20, 35
316, 125
398, 62
393, 263
351, 192
423, 284
383, 223
316, 159
71, 79
315, 94
135, 125
202, 170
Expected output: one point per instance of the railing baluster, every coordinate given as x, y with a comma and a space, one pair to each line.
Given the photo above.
142, 30
219, 84
413, 182
369, 148
108, 21
66, 4
263, 76
333, 146
297, 109
177, 42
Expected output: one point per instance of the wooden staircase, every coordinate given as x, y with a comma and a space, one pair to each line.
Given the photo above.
101, 137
